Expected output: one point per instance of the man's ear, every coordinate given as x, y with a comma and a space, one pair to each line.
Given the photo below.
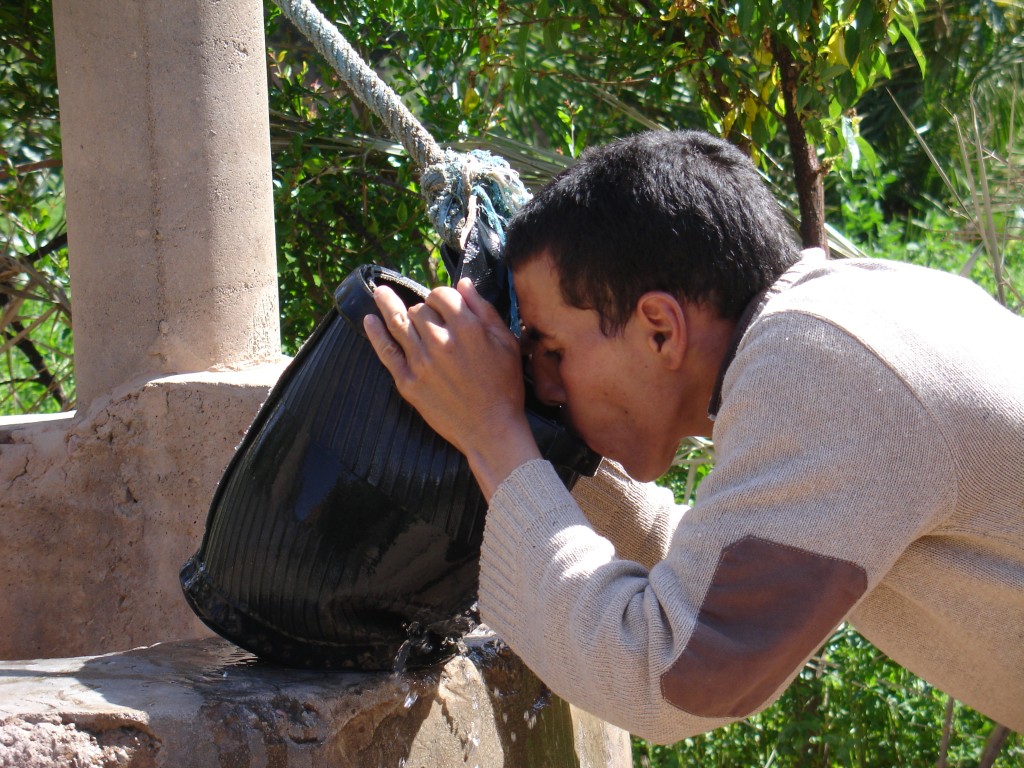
662, 321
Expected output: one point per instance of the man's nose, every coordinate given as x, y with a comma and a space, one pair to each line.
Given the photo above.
547, 382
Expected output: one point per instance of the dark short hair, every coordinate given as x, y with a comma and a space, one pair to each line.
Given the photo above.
682, 212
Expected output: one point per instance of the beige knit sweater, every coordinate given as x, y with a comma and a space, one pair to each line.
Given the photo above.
869, 467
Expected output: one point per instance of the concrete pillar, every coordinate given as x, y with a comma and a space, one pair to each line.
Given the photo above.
166, 149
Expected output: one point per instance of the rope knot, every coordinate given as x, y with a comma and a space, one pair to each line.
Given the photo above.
465, 185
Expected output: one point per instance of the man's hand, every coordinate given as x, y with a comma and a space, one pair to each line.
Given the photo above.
457, 364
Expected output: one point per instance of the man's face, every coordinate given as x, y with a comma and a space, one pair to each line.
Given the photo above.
613, 391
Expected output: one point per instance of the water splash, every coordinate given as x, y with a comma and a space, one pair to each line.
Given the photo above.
219, 662
417, 640
402, 656
530, 718
473, 742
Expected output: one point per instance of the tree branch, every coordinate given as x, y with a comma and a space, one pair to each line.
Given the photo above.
30, 167
807, 169
947, 730
44, 377
993, 746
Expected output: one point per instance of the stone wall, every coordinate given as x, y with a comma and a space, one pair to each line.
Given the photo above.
99, 512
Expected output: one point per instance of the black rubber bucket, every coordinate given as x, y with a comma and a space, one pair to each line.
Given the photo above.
345, 532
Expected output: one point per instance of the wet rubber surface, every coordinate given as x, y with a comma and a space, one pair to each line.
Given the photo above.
345, 530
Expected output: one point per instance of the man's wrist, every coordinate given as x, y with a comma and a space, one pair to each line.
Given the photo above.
499, 459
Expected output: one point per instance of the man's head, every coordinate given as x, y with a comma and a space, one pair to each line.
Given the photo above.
680, 212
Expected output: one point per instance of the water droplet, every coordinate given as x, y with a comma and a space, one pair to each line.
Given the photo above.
513, 737
473, 742
410, 699
402, 656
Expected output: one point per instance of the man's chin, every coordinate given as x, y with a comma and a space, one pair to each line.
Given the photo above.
643, 474
649, 477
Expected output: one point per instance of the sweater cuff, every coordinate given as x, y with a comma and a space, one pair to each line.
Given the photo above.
527, 510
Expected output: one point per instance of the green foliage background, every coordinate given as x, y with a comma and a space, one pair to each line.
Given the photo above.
536, 82
35, 313
888, 99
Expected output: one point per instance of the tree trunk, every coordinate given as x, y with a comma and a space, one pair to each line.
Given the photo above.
993, 746
810, 188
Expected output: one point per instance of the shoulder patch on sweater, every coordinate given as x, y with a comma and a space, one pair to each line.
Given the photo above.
768, 608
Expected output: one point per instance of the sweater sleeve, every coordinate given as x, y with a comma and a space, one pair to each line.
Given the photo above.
638, 518
827, 469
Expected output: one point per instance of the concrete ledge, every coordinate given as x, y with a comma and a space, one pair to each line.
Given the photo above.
10, 423
206, 703
99, 511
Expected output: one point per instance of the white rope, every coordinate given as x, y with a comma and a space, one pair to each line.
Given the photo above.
373, 91
454, 184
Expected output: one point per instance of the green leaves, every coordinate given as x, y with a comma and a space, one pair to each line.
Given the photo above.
559, 74
567, 114
35, 314
850, 706
909, 35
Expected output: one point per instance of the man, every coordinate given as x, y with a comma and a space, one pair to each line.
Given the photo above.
868, 421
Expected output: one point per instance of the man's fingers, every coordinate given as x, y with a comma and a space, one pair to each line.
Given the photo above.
391, 337
477, 304
445, 301
394, 312
387, 349
403, 338
427, 322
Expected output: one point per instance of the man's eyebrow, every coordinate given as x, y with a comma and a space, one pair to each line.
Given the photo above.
535, 334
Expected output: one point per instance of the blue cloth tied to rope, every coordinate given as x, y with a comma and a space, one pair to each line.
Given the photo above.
471, 199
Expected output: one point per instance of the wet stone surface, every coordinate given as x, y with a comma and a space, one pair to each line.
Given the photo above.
207, 703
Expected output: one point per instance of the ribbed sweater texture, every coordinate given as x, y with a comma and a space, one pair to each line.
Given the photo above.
873, 419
